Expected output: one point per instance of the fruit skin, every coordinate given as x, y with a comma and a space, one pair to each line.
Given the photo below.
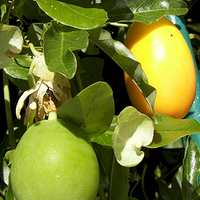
51, 162
167, 62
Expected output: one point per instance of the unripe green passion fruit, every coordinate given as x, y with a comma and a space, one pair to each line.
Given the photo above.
54, 160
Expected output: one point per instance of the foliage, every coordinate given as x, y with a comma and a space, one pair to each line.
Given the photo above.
46, 43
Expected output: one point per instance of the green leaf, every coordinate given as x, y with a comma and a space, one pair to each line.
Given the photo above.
148, 11
18, 75
142, 10
92, 109
168, 129
68, 13
11, 40
133, 131
106, 138
91, 49
91, 70
6, 171
118, 190
118, 176
125, 59
9, 194
192, 163
5, 61
32, 11
191, 171
59, 42
117, 10
34, 33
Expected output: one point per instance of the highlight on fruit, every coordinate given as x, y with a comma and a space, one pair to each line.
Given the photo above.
168, 64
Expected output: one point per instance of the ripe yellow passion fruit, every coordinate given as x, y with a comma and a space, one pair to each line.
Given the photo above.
168, 64
54, 160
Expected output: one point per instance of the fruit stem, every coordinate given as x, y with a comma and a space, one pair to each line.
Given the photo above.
52, 115
8, 111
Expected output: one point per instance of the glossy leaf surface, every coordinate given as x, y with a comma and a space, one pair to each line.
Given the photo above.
168, 129
85, 109
142, 10
59, 42
78, 15
148, 11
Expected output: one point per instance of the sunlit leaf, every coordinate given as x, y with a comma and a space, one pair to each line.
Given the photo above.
142, 10
168, 129
11, 40
191, 166
117, 10
18, 74
148, 11
5, 61
134, 131
106, 138
192, 163
6, 172
92, 109
59, 42
75, 15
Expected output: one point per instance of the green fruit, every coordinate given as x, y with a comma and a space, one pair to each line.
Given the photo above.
54, 160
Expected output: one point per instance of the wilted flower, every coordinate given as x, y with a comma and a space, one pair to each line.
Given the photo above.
50, 91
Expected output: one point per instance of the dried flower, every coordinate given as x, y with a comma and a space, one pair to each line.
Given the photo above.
48, 93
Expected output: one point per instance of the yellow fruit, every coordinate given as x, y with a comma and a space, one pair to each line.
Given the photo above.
54, 160
167, 62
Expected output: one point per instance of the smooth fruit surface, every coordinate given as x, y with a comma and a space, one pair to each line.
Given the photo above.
52, 163
167, 62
